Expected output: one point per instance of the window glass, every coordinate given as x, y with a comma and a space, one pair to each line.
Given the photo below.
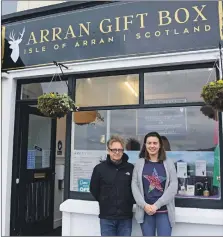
34, 90
39, 138
112, 90
176, 86
192, 145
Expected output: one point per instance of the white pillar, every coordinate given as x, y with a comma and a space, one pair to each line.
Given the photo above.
8, 117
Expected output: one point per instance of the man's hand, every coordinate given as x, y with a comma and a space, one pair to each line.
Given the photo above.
150, 209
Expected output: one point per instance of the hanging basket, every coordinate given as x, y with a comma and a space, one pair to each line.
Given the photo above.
217, 102
55, 105
208, 111
84, 117
212, 93
87, 117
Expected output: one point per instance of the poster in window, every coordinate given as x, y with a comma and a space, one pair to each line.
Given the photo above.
200, 167
45, 158
181, 169
82, 165
31, 159
84, 185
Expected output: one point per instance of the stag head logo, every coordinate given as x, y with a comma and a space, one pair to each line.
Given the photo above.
14, 44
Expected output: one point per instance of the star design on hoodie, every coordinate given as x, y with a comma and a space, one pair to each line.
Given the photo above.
155, 181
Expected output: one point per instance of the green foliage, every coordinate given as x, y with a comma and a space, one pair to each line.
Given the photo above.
55, 105
212, 94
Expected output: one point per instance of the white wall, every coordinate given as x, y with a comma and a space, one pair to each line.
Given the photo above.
58, 196
189, 221
8, 114
59, 169
26, 5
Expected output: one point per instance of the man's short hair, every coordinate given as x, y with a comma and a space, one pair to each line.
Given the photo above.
116, 138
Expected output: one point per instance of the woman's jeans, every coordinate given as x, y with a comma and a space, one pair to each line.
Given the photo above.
158, 222
116, 227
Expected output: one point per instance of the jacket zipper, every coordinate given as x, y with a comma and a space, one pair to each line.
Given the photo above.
117, 170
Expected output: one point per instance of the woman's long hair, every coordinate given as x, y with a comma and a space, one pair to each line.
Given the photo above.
144, 153
166, 143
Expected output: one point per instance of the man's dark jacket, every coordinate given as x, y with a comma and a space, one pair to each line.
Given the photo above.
111, 187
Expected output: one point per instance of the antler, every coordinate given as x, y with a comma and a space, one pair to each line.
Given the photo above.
12, 36
21, 34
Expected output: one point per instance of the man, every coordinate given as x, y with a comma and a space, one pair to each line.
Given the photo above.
111, 187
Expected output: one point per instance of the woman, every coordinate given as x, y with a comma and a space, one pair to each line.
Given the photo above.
154, 186
166, 143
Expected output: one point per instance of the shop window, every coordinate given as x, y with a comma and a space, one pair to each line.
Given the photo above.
192, 142
104, 91
178, 86
34, 90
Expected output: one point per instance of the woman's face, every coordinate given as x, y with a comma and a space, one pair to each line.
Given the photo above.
152, 146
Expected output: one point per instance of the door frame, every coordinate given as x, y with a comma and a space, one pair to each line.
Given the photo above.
21, 126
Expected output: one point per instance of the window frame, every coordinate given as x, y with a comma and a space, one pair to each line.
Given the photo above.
180, 202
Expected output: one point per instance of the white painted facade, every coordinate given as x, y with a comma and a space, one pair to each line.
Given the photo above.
26, 5
189, 221
8, 106
8, 117
77, 213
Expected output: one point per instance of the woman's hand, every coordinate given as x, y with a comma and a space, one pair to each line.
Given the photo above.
153, 208
150, 209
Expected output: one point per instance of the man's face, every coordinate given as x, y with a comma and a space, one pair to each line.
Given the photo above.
116, 151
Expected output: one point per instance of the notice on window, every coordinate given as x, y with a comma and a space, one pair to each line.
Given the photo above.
181, 169
31, 159
45, 158
200, 168
84, 185
82, 165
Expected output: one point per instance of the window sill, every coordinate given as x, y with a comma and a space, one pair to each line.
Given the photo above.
183, 215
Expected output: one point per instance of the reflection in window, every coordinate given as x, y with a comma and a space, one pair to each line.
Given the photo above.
111, 90
38, 154
185, 85
34, 90
191, 140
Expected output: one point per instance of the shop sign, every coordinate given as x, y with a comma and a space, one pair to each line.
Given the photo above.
84, 185
115, 30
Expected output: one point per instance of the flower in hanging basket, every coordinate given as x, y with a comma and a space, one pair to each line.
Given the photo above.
55, 105
212, 93
217, 102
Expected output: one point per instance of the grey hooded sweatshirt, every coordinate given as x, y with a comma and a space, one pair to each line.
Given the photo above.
166, 199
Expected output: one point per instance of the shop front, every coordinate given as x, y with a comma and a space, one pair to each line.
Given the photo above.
132, 67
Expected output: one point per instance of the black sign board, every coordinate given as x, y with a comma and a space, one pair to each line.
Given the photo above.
112, 31
166, 121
